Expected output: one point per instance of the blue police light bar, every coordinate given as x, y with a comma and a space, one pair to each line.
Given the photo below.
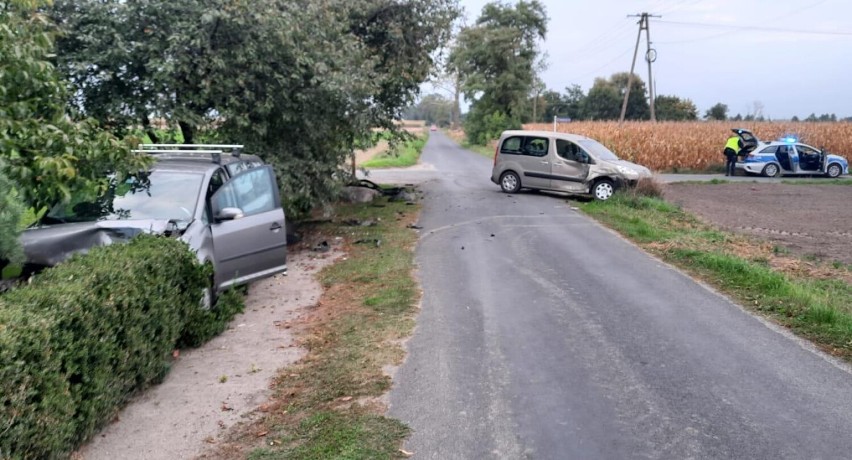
790, 139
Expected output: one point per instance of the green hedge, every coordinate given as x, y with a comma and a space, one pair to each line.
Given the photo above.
87, 334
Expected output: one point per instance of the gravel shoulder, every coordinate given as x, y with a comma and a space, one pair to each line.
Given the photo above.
808, 220
211, 388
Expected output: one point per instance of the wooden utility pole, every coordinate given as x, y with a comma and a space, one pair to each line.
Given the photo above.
650, 57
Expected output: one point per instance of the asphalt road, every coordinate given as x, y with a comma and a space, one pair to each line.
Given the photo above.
544, 335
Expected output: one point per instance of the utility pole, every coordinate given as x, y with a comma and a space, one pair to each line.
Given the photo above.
650, 57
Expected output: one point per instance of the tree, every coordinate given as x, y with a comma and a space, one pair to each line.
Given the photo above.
298, 82
496, 61
573, 101
794, 119
434, 108
47, 154
717, 112
675, 109
637, 103
603, 101
606, 96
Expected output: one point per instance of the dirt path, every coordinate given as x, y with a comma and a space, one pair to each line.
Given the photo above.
809, 220
211, 388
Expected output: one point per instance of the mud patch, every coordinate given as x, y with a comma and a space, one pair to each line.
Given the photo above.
808, 220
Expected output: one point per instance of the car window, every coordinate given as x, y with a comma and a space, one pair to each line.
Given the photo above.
252, 191
569, 150
770, 149
598, 150
216, 180
805, 150
536, 146
240, 166
512, 145
158, 195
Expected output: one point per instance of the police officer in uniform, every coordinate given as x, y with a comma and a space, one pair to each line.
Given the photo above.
732, 149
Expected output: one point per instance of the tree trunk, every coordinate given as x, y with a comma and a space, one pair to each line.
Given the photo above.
152, 134
187, 131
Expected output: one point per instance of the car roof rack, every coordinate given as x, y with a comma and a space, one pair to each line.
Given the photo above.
214, 150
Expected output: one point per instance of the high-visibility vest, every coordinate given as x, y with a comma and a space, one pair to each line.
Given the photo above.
733, 143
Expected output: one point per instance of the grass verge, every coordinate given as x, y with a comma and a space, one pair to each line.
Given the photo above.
401, 157
329, 405
815, 301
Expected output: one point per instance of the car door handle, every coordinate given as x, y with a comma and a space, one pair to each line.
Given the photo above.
559, 164
275, 227
544, 162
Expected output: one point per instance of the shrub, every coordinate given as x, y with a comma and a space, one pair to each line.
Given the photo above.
649, 187
10, 217
85, 335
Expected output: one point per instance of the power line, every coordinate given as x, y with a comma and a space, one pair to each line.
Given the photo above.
757, 28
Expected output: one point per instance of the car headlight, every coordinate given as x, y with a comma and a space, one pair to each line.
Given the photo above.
627, 171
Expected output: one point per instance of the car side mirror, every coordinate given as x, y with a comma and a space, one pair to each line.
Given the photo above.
229, 214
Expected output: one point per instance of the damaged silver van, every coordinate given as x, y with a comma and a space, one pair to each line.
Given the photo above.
562, 162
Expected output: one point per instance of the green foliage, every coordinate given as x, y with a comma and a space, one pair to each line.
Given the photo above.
47, 153
85, 335
482, 128
496, 61
717, 112
602, 102
400, 157
11, 212
202, 325
299, 83
606, 97
675, 109
434, 108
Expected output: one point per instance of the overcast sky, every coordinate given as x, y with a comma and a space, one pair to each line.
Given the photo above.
725, 54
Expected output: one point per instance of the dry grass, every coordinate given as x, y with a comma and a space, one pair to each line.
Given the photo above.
697, 146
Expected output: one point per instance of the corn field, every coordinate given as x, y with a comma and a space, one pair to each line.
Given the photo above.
697, 146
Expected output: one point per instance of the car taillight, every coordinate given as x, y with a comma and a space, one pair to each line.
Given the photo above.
496, 151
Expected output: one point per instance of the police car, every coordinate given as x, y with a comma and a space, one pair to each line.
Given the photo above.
788, 156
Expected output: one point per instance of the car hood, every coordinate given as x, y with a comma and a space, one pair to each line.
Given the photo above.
49, 245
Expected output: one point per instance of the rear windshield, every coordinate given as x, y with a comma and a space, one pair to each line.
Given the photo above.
597, 149
157, 195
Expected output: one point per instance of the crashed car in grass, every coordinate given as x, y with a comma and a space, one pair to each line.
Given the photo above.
788, 156
562, 162
225, 207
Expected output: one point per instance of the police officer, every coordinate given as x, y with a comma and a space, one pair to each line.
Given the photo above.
732, 149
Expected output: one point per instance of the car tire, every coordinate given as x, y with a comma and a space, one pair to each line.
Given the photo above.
603, 190
510, 182
771, 170
834, 171
208, 296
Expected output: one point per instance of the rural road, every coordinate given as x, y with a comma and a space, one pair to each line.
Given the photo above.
543, 335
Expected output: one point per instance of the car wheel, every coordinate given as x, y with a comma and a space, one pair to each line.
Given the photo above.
603, 190
510, 182
208, 296
771, 170
834, 170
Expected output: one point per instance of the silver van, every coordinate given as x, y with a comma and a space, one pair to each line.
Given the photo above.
561, 162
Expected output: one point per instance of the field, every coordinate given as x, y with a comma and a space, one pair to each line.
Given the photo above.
697, 146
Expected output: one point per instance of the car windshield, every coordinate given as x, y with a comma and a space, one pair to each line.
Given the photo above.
598, 150
158, 195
